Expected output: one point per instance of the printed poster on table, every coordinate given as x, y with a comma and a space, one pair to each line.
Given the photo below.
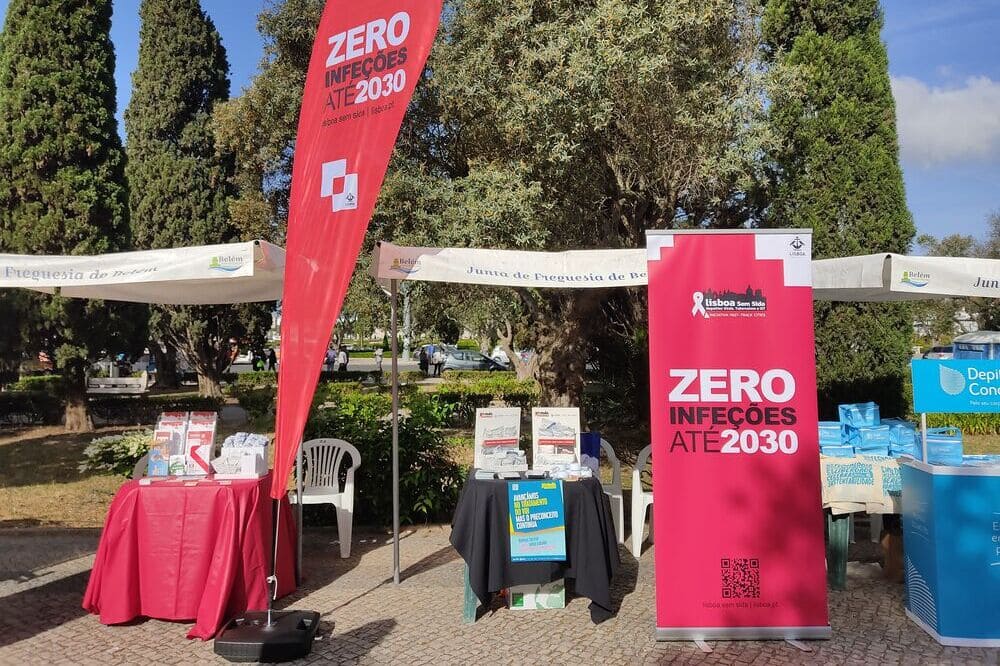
537, 521
199, 443
734, 432
555, 436
498, 432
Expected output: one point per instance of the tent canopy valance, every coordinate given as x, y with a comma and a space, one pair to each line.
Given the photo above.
895, 277
208, 274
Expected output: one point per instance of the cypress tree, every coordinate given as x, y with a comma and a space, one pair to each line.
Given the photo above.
180, 184
62, 186
838, 173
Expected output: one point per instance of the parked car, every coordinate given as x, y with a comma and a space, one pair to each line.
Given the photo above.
940, 352
466, 359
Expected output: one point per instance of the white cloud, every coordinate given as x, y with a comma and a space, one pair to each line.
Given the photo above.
940, 125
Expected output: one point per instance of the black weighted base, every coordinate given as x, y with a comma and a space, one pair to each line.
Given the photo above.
248, 638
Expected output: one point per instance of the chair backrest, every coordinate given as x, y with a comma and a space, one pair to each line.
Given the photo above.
323, 458
139, 470
616, 466
640, 466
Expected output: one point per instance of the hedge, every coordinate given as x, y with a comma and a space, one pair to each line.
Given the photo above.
466, 397
30, 408
38, 408
52, 384
969, 424
476, 375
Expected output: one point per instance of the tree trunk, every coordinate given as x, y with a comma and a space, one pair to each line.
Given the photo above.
166, 364
209, 375
562, 346
77, 416
209, 387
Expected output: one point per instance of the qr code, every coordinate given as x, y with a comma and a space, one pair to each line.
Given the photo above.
740, 578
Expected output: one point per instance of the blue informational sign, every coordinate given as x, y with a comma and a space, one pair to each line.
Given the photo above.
951, 524
537, 521
956, 386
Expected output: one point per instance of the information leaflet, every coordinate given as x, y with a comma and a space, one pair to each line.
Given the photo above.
537, 521
498, 433
555, 436
734, 430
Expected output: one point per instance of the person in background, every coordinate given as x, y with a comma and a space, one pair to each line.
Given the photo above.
378, 359
258, 361
422, 360
272, 360
438, 361
342, 360
331, 359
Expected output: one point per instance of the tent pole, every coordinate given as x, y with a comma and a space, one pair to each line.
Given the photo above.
923, 435
394, 293
298, 509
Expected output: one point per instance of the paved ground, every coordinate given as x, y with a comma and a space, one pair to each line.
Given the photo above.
366, 619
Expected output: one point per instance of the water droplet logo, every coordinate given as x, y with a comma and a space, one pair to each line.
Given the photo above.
952, 381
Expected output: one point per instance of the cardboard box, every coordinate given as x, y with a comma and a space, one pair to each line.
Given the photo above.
538, 597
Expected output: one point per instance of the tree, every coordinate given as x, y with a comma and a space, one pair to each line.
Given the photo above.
556, 125
62, 186
837, 172
938, 320
181, 185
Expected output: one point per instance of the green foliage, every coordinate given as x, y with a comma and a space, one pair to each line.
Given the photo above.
30, 408
258, 402
467, 396
838, 173
411, 376
969, 424
466, 343
476, 375
62, 171
181, 184
260, 379
143, 410
116, 455
51, 384
430, 480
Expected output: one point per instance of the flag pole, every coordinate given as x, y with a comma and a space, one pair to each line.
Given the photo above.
394, 293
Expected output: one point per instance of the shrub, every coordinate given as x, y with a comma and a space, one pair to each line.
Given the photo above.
136, 410
258, 402
257, 379
366, 376
51, 384
467, 343
117, 454
429, 479
30, 408
466, 397
969, 424
410, 376
476, 375
332, 391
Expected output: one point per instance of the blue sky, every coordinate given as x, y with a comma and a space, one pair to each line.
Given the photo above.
944, 58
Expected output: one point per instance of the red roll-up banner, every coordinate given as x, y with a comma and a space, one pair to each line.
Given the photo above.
737, 506
366, 62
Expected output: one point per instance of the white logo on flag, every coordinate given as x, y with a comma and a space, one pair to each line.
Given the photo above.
952, 381
699, 306
340, 186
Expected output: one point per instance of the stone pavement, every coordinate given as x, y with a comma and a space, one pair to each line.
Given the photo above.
366, 619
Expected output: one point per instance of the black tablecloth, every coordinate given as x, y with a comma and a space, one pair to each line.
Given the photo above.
480, 534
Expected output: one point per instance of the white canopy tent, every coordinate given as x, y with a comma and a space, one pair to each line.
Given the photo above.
209, 274
876, 277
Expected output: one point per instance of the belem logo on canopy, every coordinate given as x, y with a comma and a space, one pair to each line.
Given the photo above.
915, 278
335, 173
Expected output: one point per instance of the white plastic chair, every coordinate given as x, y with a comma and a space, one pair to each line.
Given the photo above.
321, 482
614, 490
641, 500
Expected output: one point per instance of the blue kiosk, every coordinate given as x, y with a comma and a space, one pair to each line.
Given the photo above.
951, 513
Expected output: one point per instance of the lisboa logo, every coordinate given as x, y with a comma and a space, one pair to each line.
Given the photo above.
952, 381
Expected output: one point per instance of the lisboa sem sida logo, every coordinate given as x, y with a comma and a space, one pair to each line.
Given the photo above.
340, 186
915, 278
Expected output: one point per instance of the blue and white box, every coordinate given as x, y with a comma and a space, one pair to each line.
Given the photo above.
859, 414
951, 527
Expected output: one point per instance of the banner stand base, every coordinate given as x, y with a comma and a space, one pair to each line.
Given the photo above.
743, 633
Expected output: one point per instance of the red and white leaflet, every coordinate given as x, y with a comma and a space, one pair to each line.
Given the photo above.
498, 431
199, 443
555, 436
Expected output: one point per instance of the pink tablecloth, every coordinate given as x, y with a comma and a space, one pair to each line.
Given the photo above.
189, 551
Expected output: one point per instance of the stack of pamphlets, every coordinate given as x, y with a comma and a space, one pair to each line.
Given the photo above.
243, 456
